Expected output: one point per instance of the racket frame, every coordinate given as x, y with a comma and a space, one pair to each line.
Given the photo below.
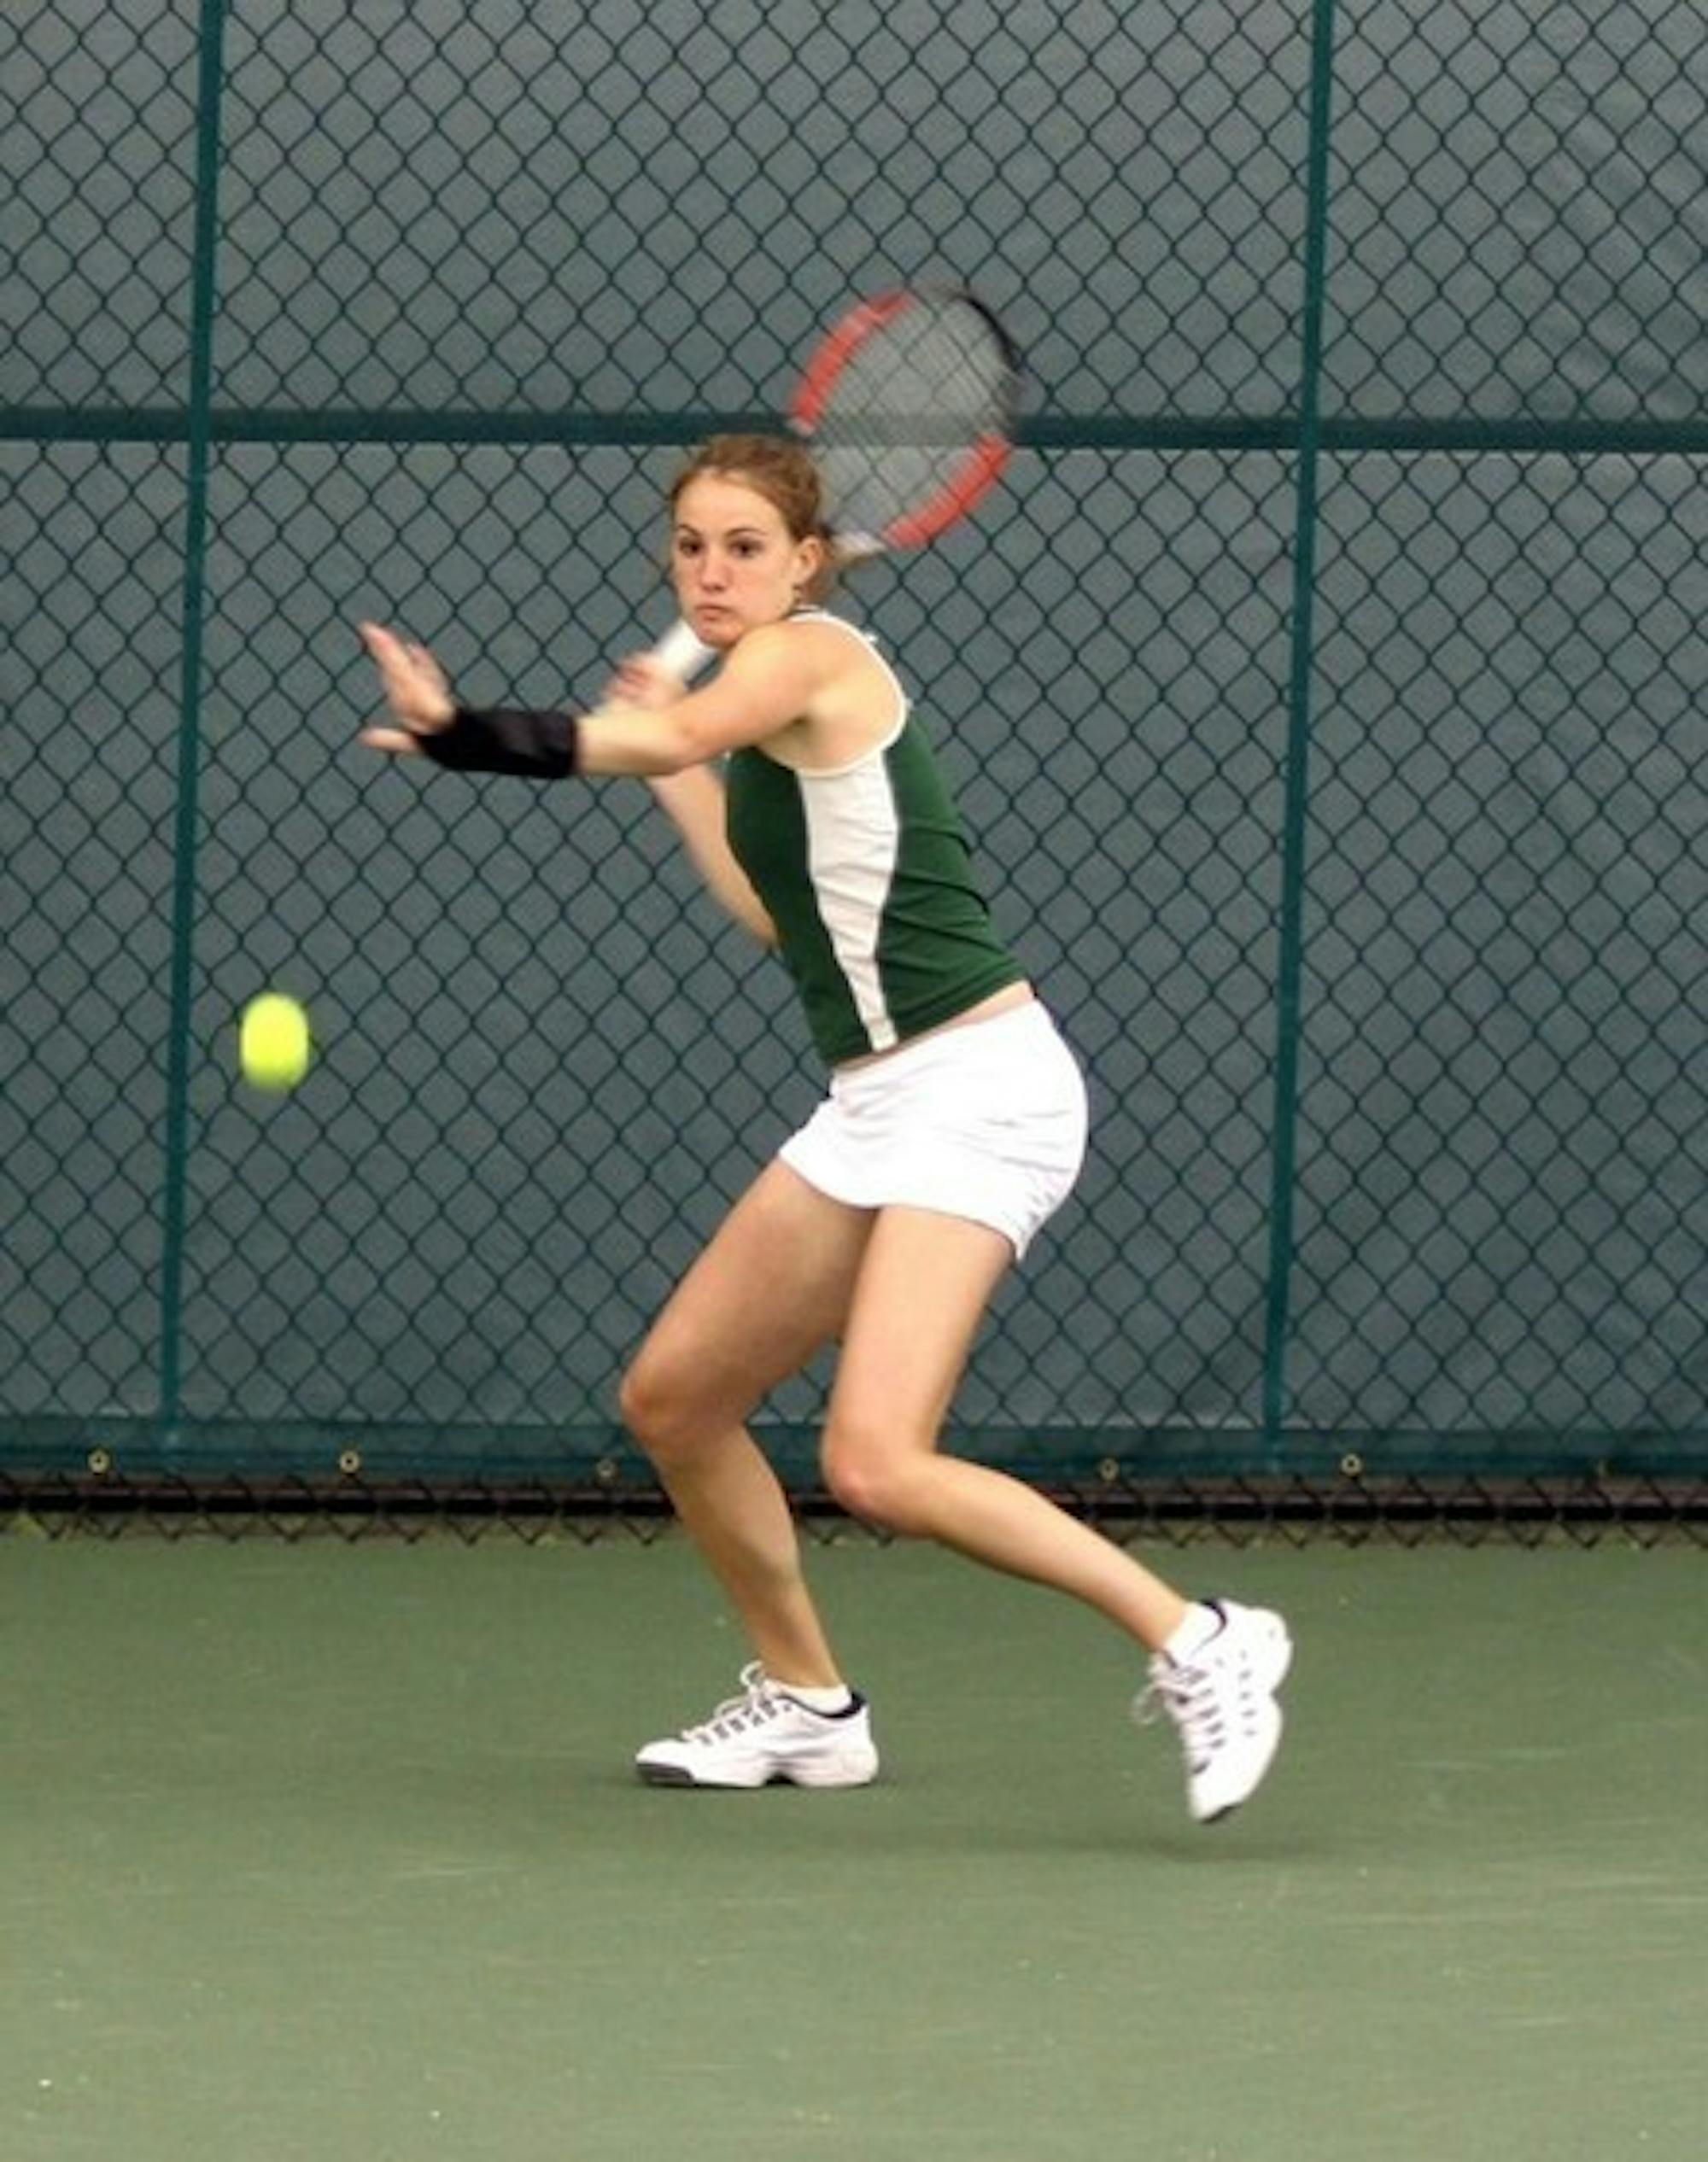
680, 650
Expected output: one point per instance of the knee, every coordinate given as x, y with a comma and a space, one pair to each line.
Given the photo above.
658, 1407
878, 1486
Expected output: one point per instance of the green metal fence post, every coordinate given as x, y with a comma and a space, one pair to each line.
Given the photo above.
211, 59
1290, 956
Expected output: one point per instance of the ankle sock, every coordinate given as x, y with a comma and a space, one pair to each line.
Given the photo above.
828, 1702
1201, 1624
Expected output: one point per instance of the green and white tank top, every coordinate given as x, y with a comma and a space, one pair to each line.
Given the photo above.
866, 872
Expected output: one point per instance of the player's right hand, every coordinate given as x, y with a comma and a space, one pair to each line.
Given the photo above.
640, 681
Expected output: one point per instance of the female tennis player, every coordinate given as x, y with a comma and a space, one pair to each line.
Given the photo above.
954, 1126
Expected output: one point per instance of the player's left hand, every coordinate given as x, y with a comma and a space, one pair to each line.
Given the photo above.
416, 689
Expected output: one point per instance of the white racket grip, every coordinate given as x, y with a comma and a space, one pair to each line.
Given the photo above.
682, 653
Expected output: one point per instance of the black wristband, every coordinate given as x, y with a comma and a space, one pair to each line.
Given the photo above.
502, 739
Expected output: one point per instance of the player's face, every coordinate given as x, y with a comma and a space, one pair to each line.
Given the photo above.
735, 563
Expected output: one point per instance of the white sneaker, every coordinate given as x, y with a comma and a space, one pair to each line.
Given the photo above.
1223, 1701
765, 1735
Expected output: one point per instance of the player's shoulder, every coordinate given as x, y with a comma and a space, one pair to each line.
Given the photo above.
826, 623
818, 622
825, 642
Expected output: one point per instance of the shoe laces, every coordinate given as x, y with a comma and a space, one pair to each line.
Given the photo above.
1190, 1697
756, 1704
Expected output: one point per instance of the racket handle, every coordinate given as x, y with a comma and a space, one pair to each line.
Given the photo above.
682, 653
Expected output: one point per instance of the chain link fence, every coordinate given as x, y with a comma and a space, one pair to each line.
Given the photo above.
1325, 690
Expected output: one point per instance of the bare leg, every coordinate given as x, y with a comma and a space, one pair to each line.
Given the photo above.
924, 1283
729, 1502
768, 1293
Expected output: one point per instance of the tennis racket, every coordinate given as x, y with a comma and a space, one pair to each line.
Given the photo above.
909, 405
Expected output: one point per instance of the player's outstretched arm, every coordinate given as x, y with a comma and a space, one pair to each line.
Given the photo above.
764, 687
426, 717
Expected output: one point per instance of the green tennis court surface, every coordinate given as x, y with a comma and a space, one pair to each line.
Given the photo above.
331, 1852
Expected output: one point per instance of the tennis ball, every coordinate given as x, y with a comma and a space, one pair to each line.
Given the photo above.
272, 1041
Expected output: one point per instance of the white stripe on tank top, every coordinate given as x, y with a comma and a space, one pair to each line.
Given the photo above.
841, 803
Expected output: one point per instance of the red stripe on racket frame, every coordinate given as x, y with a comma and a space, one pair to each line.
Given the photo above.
837, 345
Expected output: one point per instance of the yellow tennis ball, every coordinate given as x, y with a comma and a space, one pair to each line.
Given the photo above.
272, 1041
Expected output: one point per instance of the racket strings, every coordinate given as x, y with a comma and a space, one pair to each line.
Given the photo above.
912, 402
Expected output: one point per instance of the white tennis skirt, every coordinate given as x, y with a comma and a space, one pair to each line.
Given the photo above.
986, 1120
